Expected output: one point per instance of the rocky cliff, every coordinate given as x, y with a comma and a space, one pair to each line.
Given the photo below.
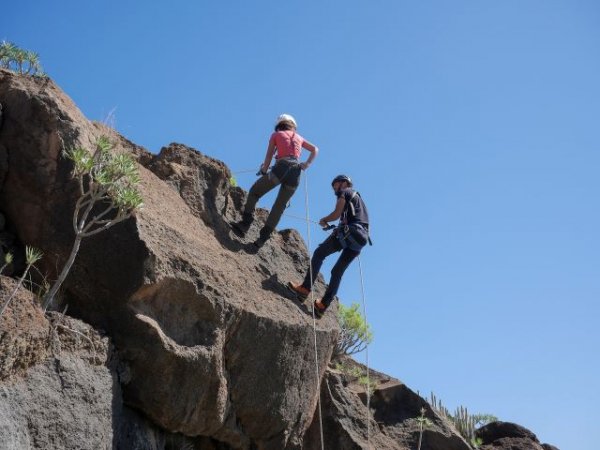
177, 334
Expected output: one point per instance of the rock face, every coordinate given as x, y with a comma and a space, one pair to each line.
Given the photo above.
209, 342
61, 401
509, 436
392, 425
181, 335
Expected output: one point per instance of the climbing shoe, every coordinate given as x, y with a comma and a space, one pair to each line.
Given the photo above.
299, 290
241, 228
264, 235
319, 308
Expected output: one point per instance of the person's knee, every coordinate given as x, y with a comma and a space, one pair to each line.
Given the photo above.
320, 253
253, 192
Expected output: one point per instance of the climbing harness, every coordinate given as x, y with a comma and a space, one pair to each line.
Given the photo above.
313, 313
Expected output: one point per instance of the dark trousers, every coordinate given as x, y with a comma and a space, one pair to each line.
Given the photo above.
263, 185
327, 247
289, 178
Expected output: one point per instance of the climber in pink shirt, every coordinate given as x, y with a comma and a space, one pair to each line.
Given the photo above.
286, 172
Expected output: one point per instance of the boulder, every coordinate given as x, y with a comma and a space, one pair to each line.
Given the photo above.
391, 422
508, 436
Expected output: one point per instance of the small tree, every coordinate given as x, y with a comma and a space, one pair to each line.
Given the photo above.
108, 181
355, 332
32, 255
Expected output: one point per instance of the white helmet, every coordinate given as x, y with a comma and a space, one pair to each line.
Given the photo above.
286, 118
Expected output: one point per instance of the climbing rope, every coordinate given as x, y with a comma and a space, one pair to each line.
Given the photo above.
243, 171
312, 300
364, 305
301, 218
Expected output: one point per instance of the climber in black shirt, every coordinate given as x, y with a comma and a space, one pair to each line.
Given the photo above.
350, 236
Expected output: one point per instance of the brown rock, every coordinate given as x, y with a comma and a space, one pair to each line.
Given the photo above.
392, 421
56, 390
508, 436
24, 331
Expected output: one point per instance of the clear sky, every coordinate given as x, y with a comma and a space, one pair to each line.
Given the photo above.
469, 127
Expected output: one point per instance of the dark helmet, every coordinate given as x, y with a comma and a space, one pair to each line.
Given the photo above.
345, 178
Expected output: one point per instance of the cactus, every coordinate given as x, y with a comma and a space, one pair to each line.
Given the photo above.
465, 423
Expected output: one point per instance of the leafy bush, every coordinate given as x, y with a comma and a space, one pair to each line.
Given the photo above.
359, 375
19, 60
106, 180
355, 332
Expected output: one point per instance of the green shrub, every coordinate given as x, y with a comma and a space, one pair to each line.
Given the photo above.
355, 332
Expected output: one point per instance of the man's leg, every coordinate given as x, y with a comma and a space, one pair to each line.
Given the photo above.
326, 248
337, 272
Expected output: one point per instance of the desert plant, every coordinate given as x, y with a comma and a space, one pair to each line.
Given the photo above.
350, 371
423, 422
368, 384
106, 180
465, 423
355, 332
476, 442
232, 181
8, 258
18, 59
32, 255
359, 374
8, 52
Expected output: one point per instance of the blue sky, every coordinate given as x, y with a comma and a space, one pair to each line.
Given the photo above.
469, 127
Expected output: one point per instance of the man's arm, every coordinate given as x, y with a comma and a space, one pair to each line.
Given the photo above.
336, 214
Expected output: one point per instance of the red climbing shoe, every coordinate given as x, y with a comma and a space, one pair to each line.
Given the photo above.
319, 308
299, 290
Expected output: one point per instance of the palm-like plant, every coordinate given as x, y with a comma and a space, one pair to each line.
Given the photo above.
107, 180
18, 59
32, 255
33, 62
8, 52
